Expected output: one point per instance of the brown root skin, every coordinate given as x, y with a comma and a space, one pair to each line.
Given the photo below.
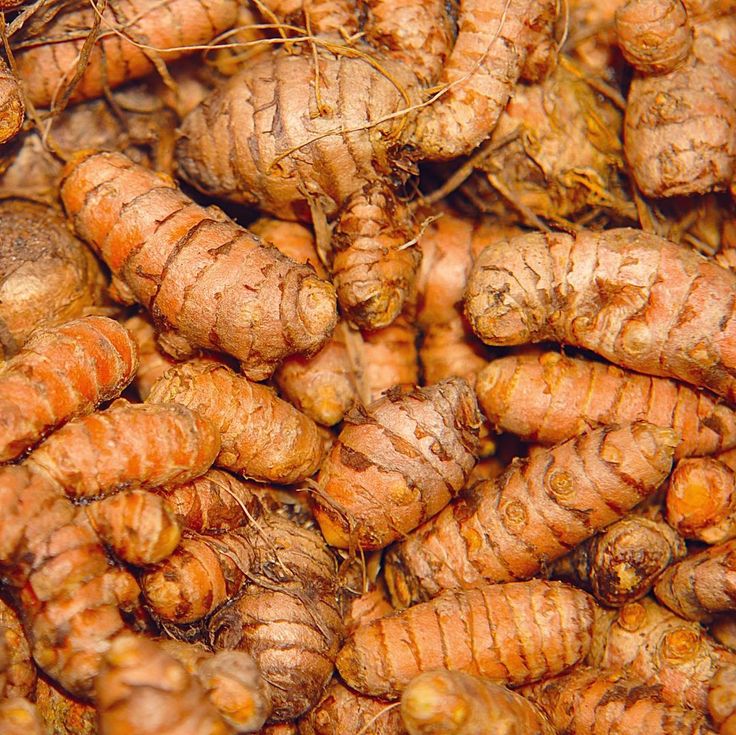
45, 68
494, 43
587, 700
325, 171
137, 525
287, 617
382, 657
215, 502
127, 445
419, 34
230, 678
144, 690
263, 437
679, 126
263, 306
655, 36
372, 260
454, 703
701, 500
636, 299
47, 276
200, 575
12, 107
341, 710
702, 585
621, 564
537, 511
558, 154
18, 672
62, 373
396, 463
152, 362
67, 592
18, 716
661, 649
548, 397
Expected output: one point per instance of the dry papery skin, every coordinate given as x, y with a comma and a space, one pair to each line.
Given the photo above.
722, 700
635, 298
68, 595
144, 690
152, 362
588, 701
511, 633
282, 156
454, 703
702, 585
701, 500
372, 258
263, 437
538, 510
548, 397
621, 563
47, 276
205, 281
62, 714
12, 107
559, 153
18, 675
62, 373
287, 616
661, 649
18, 716
48, 59
145, 133
679, 126
127, 445
341, 710
200, 575
230, 678
215, 502
137, 525
397, 462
